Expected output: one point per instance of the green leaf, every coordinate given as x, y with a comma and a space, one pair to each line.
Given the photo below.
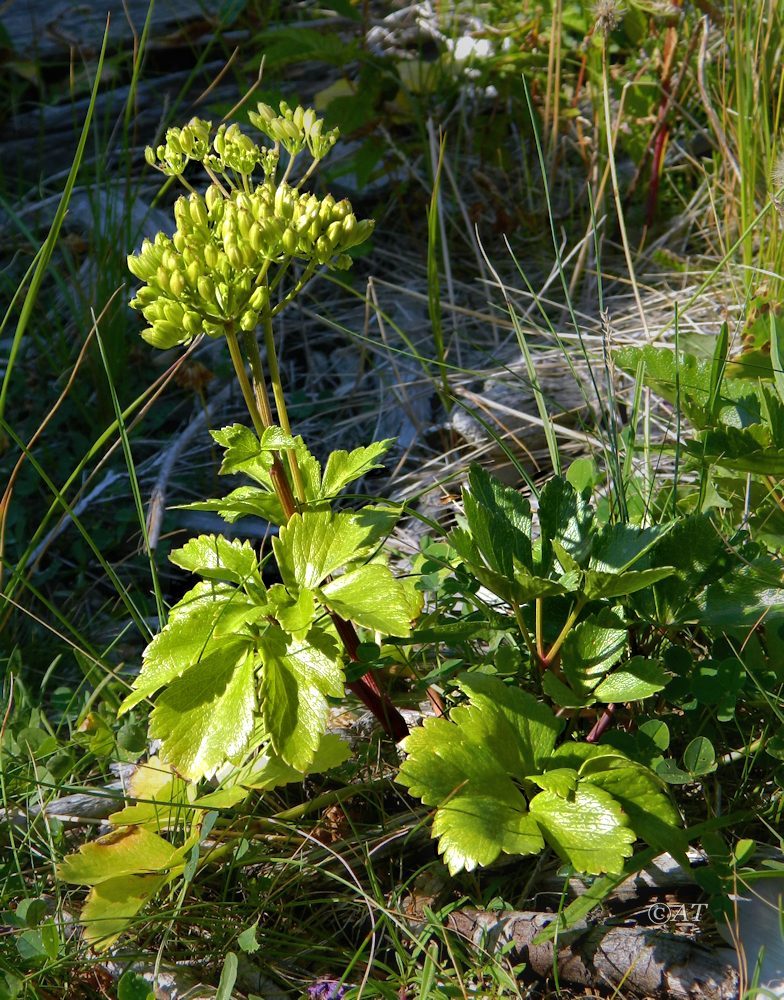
645, 801
696, 550
345, 467
268, 771
565, 516
561, 780
297, 677
188, 637
243, 502
587, 830
294, 614
315, 544
618, 547
743, 598
562, 694
600, 586
243, 452
638, 678
216, 558
206, 716
372, 597
160, 795
514, 717
228, 977
129, 851
499, 520
699, 757
750, 449
132, 986
466, 768
591, 649
248, 939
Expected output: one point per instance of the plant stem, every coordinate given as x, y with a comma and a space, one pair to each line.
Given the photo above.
556, 646
277, 391
261, 417
539, 629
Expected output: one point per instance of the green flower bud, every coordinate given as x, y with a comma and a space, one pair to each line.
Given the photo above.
289, 241
211, 256
173, 312
162, 336
179, 242
255, 237
213, 330
144, 297
259, 299
177, 284
198, 210
342, 262
249, 320
213, 197
192, 323
234, 255
324, 249
139, 267
150, 157
334, 232
193, 272
206, 288
162, 278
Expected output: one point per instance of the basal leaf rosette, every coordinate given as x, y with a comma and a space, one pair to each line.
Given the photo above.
500, 786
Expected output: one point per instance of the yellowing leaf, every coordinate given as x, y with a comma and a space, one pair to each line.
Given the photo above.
111, 906
371, 596
129, 851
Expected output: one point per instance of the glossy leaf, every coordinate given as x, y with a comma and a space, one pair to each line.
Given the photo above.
128, 851
636, 679
344, 467
372, 597
315, 544
216, 558
297, 677
206, 716
591, 649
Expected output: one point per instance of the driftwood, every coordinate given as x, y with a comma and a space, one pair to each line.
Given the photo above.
637, 961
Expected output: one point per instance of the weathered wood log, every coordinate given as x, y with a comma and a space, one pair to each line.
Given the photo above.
638, 961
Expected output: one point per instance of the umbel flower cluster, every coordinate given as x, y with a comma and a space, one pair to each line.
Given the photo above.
233, 245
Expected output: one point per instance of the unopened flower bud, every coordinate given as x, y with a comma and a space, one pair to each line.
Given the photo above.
249, 320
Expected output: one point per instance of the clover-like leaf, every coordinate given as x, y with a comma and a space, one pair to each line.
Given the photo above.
297, 677
636, 679
587, 829
372, 597
206, 716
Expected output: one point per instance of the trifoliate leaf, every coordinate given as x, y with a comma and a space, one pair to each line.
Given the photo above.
566, 517
467, 768
520, 588
587, 830
344, 467
216, 558
372, 597
499, 520
316, 544
110, 907
297, 676
638, 678
590, 649
188, 637
206, 716
129, 851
